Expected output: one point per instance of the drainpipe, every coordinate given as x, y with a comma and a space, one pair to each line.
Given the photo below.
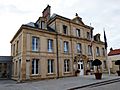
57, 51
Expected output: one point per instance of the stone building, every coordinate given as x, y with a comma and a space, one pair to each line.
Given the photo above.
113, 56
5, 67
54, 46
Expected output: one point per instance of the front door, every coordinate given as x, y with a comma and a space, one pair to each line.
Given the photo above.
27, 69
81, 67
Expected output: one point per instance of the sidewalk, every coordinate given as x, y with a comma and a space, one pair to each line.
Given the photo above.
57, 84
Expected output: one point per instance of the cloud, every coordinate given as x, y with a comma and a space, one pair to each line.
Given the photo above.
101, 13
11, 9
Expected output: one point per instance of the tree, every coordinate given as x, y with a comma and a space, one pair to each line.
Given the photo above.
97, 63
118, 63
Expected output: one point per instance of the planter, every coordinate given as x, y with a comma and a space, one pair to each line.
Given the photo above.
98, 75
118, 72
87, 72
77, 72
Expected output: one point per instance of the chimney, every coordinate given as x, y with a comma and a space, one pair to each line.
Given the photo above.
111, 49
47, 12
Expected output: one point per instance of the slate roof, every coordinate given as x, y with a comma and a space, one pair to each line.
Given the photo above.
5, 58
114, 52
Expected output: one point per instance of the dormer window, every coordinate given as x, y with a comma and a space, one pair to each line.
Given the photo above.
42, 25
97, 51
88, 35
97, 37
64, 29
78, 32
77, 21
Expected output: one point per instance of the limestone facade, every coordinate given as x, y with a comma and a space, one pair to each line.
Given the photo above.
48, 48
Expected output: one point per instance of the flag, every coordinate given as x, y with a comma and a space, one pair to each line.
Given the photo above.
91, 37
105, 39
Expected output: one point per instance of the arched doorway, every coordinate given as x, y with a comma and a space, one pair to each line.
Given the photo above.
81, 67
80, 62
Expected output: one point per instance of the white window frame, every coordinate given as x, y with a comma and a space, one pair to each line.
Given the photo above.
97, 51
50, 45
42, 24
78, 47
78, 32
35, 73
35, 43
103, 51
50, 66
66, 47
88, 36
89, 50
66, 65
65, 29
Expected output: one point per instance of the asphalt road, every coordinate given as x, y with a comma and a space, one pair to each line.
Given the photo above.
112, 86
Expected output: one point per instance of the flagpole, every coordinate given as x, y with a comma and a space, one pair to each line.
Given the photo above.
106, 57
92, 39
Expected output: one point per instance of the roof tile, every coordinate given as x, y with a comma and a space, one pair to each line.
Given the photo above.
114, 52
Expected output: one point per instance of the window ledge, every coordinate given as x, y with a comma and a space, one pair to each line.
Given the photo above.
67, 72
50, 74
35, 51
50, 52
66, 53
34, 75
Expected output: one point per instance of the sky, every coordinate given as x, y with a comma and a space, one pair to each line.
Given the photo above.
100, 13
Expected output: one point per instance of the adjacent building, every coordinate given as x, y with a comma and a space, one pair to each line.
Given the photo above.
54, 46
5, 67
113, 56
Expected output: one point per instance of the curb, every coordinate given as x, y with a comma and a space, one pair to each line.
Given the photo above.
96, 84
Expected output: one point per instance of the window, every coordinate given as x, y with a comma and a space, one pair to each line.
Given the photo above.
35, 43
64, 29
5, 66
89, 50
78, 48
104, 64
35, 66
88, 35
65, 46
16, 68
50, 45
61, 43
42, 25
97, 51
78, 32
103, 51
17, 47
13, 68
91, 66
0, 67
13, 49
50, 66
66, 65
